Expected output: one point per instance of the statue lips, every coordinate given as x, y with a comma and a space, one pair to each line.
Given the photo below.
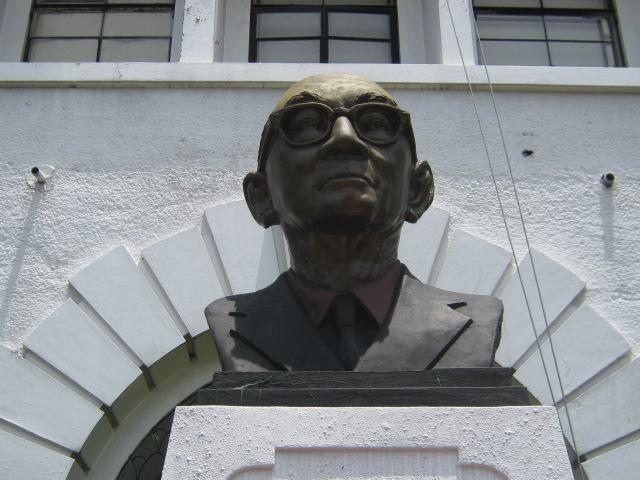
347, 177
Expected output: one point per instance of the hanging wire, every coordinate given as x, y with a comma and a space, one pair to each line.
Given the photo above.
526, 237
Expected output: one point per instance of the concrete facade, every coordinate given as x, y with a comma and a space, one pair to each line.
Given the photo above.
142, 150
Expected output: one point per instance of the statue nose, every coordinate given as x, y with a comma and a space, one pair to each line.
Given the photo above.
343, 141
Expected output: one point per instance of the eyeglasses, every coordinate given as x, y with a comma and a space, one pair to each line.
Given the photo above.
307, 123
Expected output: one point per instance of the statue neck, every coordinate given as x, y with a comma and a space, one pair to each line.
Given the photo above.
340, 261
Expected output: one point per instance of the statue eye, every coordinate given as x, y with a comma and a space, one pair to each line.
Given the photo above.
376, 126
304, 124
308, 122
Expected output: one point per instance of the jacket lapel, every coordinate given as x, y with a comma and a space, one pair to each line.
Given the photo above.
277, 326
419, 333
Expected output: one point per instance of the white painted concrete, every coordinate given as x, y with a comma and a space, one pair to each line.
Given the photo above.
176, 31
118, 292
584, 346
457, 32
608, 411
279, 75
32, 400
218, 39
198, 31
183, 268
472, 265
355, 443
374, 464
72, 344
530, 312
247, 250
24, 460
622, 463
628, 13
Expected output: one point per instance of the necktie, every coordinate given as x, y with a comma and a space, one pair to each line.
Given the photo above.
344, 318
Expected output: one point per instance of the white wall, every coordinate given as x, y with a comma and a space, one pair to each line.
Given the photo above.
198, 30
138, 164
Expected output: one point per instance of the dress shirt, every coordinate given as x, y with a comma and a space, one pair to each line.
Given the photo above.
375, 300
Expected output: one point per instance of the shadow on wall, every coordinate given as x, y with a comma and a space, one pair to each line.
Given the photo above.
16, 265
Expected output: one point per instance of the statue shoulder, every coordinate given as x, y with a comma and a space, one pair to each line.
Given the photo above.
237, 313
241, 305
476, 347
481, 308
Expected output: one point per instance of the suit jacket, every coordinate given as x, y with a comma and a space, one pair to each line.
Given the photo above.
426, 328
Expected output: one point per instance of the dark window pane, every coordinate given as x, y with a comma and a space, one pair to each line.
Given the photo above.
515, 53
361, 25
577, 28
289, 51
581, 54
574, 3
507, 3
381, 3
511, 27
124, 2
294, 24
61, 24
63, 50
347, 51
58, 2
134, 50
137, 24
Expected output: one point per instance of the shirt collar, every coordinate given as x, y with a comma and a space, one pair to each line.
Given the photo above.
376, 296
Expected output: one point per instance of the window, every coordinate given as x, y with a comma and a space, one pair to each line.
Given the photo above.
100, 31
548, 32
324, 31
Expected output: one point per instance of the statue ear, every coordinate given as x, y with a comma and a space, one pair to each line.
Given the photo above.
258, 198
420, 192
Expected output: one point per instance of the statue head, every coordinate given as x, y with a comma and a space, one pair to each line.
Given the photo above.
338, 154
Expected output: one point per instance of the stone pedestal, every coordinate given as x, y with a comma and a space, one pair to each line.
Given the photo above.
366, 443
444, 424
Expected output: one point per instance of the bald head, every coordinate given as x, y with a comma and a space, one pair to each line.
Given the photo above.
334, 90
328, 88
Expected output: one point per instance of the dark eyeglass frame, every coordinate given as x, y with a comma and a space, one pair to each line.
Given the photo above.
334, 113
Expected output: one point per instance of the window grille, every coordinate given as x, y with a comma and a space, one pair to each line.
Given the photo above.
147, 460
324, 32
100, 31
549, 32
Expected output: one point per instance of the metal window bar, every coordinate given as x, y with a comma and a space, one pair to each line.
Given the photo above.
62, 8
147, 460
324, 36
607, 14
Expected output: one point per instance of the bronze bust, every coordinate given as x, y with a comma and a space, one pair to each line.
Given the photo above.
338, 170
